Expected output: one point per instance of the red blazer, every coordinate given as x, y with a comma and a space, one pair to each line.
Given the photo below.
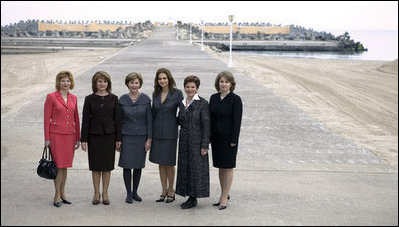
61, 117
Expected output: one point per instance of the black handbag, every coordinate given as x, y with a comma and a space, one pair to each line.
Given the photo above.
47, 168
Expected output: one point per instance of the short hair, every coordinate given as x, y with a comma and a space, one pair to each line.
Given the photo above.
171, 81
192, 78
60, 76
228, 76
133, 76
101, 75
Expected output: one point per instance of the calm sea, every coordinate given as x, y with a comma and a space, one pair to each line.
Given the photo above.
381, 45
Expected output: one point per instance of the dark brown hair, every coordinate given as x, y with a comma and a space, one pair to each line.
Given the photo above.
102, 75
192, 78
171, 81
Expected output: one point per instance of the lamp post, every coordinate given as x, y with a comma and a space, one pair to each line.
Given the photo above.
177, 30
231, 18
202, 35
190, 35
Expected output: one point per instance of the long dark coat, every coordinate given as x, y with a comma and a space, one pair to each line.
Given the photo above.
193, 169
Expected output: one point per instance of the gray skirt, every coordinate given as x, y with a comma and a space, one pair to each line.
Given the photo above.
133, 154
163, 151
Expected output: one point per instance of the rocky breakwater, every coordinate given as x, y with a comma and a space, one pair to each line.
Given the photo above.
26, 36
295, 39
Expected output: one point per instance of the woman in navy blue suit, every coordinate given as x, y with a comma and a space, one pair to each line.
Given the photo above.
226, 115
165, 101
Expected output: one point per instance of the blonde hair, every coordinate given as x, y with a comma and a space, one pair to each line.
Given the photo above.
62, 75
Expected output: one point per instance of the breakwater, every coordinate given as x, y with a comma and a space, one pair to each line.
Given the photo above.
283, 45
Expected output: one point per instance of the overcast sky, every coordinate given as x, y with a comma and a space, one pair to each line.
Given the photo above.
320, 16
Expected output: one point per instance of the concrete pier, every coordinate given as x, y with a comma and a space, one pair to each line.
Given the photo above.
290, 170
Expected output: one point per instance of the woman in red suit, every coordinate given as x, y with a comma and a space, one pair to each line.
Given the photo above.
62, 130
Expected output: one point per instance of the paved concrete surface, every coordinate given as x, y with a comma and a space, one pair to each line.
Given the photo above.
291, 170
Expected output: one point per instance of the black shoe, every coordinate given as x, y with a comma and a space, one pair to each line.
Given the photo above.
161, 198
170, 199
106, 202
137, 198
222, 207
190, 203
218, 204
187, 201
65, 201
57, 204
129, 198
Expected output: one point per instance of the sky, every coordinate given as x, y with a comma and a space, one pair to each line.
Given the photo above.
319, 16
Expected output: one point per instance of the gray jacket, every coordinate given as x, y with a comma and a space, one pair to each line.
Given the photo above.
136, 117
164, 115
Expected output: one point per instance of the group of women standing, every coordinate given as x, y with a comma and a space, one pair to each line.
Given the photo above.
131, 126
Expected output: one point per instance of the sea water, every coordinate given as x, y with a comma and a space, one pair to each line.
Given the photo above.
382, 45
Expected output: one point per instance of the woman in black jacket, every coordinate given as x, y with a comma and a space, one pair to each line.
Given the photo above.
101, 133
226, 114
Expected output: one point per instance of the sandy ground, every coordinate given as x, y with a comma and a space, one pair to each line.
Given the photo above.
24, 75
356, 99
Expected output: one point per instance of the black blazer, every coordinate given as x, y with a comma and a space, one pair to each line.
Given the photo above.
101, 115
226, 115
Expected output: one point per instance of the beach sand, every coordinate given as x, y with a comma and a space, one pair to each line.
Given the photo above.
24, 75
356, 99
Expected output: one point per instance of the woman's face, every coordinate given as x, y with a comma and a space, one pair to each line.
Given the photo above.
102, 84
191, 89
134, 85
65, 83
163, 80
224, 84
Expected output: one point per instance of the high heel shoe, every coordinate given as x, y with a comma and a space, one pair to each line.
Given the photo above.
95, 201
106, 201
170, 198
65, 201
218, 204
161, 198
57, 204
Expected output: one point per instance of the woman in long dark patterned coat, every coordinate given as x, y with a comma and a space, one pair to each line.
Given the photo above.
193, 163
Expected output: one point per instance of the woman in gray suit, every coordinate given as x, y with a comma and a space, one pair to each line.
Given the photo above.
136, 133
165, 100
193, 166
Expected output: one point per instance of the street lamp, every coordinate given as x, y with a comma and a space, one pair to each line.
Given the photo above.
177, 30
231, 18
202, 35
190, 35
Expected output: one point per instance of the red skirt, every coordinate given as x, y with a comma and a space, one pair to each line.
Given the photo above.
63, 149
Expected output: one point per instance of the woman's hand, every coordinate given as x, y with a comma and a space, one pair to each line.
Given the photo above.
204, 152
77, 145
47, 143
233, 144
84, 146
148, 145
118, 146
